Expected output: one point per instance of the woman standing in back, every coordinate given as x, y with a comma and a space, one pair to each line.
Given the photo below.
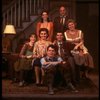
45, 23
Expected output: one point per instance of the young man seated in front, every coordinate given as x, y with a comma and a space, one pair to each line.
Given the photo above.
52, 63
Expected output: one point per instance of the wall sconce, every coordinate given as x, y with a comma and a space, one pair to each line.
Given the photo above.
6, 41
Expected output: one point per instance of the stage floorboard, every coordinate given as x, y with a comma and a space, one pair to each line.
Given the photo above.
88, 88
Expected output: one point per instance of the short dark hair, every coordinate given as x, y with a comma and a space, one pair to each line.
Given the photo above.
59, 32
44, 29
51, 46
32, 35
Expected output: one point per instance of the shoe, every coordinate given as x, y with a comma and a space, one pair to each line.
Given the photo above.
72, 87
41, 85
51, 92
26, 84
37, 84
21, 83
75, 91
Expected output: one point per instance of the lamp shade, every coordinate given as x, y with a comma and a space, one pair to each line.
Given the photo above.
9, 29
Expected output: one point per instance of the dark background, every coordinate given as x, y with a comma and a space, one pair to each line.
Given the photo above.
87, 16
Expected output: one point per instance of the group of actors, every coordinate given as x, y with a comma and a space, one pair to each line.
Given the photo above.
55, 51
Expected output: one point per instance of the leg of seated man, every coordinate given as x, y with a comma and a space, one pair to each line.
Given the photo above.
65, 70
74, 70
50, 79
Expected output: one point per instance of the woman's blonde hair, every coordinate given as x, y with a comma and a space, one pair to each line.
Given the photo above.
71, 21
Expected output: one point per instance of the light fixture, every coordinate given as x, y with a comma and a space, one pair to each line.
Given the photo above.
9, 29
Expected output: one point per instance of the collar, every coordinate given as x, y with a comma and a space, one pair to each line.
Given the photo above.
63, 16
59, 42
49, 57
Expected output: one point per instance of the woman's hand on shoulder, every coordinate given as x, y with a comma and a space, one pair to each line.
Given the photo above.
54, 42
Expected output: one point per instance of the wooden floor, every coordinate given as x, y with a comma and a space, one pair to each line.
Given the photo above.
88, 90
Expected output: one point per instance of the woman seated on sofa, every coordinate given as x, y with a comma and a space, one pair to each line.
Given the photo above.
81, 55
24, 64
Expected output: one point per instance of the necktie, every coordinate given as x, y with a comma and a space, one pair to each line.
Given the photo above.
62, 20
61, 51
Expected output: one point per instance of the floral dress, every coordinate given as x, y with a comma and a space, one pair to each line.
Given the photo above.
40, 48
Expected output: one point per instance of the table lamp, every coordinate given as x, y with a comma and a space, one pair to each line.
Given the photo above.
6, 41
9, 29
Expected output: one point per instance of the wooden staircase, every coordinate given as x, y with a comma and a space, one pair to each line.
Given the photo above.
24, 15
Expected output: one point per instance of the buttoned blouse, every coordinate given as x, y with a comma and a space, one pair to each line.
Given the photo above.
40, 48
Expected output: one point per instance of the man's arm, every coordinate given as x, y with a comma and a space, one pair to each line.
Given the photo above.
46, 64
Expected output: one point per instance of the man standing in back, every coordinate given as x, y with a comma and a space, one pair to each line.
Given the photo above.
59, 22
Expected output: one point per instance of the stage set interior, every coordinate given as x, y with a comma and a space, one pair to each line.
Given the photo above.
21, 16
